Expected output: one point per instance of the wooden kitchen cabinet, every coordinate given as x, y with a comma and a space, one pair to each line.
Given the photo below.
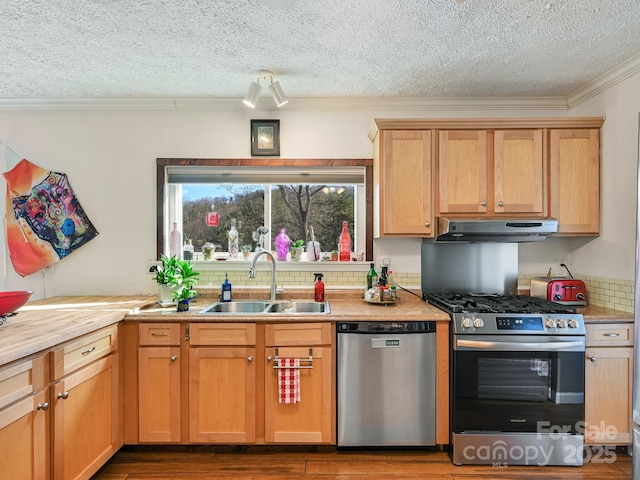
222, 382
491, 172
312, 420
86, 417
24, 420
403, 203
574, 180
159, 392
608, 383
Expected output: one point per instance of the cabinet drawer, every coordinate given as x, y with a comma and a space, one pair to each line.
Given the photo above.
302, 334
222, 334
20, 379
159, 334
612, 334
83, 351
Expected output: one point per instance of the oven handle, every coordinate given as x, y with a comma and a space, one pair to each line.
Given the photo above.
517, 346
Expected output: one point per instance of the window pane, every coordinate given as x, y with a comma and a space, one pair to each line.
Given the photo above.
323, 207
245, 203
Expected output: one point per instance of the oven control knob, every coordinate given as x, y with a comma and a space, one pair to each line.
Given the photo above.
550, 323
572, 323
478, 322
561, 323
467, 322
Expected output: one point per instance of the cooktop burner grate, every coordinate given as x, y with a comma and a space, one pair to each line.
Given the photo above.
494, 303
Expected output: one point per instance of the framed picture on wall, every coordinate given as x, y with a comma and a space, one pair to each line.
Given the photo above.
265, 138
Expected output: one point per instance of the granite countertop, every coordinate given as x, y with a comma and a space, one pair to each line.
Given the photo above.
344, 306
596, 314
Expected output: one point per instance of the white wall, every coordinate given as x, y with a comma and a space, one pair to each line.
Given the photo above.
109, 157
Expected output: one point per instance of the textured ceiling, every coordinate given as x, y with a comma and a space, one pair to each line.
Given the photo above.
317, 48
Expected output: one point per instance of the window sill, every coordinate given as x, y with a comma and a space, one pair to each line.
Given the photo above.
288, 266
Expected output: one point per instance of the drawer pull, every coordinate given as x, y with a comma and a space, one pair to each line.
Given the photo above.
174, 358
86, 352
43, 406
592, 358
610, 334
159, 334
250, 358
63, 395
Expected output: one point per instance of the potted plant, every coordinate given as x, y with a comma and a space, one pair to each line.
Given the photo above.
297, 248
182, 297
246, 251
173, 275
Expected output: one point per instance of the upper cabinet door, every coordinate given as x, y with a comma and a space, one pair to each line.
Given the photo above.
518, 172
405, 194
462, 171
574, 178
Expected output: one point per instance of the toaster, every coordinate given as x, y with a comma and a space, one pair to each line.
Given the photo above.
567, 291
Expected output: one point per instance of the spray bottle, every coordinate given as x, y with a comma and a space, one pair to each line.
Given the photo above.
319, 288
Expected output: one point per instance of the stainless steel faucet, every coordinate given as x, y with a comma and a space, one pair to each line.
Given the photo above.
252, 270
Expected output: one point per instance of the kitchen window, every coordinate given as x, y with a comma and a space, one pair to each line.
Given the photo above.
303, 196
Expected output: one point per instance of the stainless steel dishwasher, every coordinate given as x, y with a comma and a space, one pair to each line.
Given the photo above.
386, 383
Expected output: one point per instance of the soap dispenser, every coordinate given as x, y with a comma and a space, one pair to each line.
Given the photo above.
319, 288
226, 289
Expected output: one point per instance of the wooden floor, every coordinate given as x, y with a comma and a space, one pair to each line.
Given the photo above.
325, 463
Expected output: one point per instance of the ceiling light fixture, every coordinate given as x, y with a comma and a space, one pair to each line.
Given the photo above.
251, 98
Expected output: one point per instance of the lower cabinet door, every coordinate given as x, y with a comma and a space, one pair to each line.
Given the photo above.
222, 395
607, 385
24, 439
86, 420
159, 412
310, 420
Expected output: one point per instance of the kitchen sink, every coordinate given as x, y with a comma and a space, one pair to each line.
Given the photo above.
299, 307
278, 307
237, 307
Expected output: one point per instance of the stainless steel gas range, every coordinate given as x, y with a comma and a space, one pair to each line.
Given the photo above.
517, 380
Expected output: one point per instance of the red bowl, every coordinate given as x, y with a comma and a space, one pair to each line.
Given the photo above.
11, 301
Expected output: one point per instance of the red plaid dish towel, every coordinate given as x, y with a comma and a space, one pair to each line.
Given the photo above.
289, 380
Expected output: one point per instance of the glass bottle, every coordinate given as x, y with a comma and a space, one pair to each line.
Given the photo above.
187, 251
234, 241
282, 245
344, 245
175, 241
372, 277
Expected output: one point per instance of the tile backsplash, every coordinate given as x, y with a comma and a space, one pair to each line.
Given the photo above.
605, 292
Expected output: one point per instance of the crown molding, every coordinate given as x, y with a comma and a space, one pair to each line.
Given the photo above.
606, 81
421, 104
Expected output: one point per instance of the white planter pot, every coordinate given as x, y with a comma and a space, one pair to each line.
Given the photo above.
165, 294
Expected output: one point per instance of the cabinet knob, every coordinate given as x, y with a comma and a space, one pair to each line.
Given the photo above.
250, 358
174, 358
63, 395
483, 203
427, 224
43, 406
501, 203
592, 358
269, 358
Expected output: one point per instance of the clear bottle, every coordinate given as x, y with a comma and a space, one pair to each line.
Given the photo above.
344, 244
372, 277
226, 289
234, 241
175, 239
187, 250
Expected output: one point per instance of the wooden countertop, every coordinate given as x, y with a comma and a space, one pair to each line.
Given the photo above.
43, 324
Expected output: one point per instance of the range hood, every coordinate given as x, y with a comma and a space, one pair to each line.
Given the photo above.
495, 230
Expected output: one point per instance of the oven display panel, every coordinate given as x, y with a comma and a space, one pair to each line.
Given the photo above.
520, 323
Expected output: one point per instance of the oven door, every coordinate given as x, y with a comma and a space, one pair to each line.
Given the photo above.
517, 383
